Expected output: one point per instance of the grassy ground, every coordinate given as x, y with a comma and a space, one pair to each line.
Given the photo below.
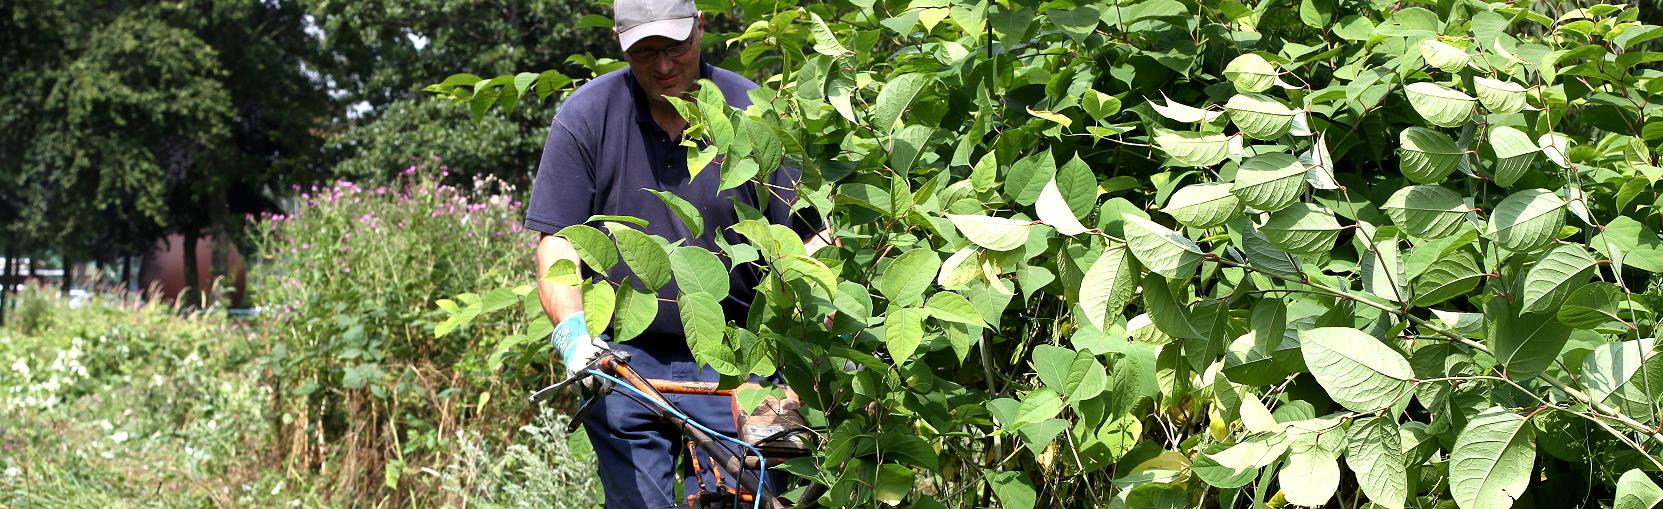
116, 402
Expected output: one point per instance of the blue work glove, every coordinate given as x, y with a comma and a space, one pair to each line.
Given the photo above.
572, 341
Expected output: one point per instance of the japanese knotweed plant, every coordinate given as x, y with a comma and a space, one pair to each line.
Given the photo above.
1168, 253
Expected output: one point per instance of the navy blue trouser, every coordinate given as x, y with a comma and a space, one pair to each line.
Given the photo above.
637, 448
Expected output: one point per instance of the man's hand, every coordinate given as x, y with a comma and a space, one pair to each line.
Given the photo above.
576, 348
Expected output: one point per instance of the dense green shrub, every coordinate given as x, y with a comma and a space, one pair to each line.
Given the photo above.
1167, 253
347, 283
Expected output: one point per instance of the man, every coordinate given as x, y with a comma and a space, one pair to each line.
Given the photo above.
612, 139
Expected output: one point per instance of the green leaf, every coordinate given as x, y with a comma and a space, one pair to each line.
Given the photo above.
1639, 245
908, 449
702, 319
1203, 205
1251, 73
1039, 405
1527, 219
1259, 116
1182, 112
1186, 148
1554, 276
903, 282
1108, 286
1443, 56
1440, 105
594, 247
1523, 344
735, 172
1217, 475
1053, 210
1500, 97
1591, 306
1013, 490
1627, 375
894, 482
1515, 153
1028, 177
645, 257
1428, 212
952, 307
1160, 249
1452, 275
599, 299
995, 233
1426, 156
1169, 315
636, 309
1490, 465
1099, 105
699, 270
1374, 451
1270, 182
794, 266
1635, 489
1302, 228
903, 330
1358, 371
686, 211
1311, 476
895, 98
825, 42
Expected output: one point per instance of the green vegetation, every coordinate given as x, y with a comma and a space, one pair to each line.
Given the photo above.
1162, 253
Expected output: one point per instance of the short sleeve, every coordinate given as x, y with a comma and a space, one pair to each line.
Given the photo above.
564, 191
782, 196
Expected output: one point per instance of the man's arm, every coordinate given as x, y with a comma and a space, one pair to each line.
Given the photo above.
559, 301
820, 239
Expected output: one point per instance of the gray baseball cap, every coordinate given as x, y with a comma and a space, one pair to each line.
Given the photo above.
635, 20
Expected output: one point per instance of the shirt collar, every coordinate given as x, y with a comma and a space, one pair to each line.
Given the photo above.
643, 111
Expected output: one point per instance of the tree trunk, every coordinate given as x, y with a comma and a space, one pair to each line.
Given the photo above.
127, 272
67, 276
6, 281
219, 254
193, 279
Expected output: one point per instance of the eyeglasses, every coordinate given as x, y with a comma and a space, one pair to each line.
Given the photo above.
644, 55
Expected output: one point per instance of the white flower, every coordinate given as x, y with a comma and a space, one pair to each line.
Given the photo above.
119, 437
21, 366
13, 472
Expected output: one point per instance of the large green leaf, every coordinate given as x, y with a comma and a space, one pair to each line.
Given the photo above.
1639, 245
1269, 182
1302, 228
952, 307
1523, 344
636, 309
1259, 116
1185, 148
996, 233
1426, 155
1527, 219
594, 247
1160, 249
1438, 104
1554, 276
1490, 465
698, 270
686, 211
1358, 371
1203, 205
1311, 475
1374, 451
1636, 490
1592, 305
646, 258
1076, 375
1427, 212
1627, 375
1450, 276
895, 98
1500, 97
1108, 286
1251, 73
1053, 210
1443, 55
903, 331
1514, 153
906, 278
1028, 177
702, 319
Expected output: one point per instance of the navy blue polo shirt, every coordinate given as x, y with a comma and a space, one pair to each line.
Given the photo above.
604, 150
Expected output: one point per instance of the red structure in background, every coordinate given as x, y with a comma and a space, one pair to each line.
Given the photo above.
164, 267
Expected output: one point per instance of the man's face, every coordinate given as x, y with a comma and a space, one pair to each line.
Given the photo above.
665, 66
